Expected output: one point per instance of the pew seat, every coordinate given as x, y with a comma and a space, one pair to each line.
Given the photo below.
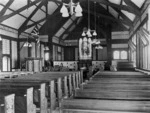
108, 106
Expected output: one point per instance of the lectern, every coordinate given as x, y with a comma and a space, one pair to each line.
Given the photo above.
33, 64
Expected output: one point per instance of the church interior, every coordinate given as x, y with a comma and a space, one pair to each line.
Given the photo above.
74, 56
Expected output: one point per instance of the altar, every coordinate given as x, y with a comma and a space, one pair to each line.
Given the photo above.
33, 64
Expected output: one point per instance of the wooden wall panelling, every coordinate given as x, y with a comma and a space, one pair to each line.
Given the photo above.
14, 54
0, 55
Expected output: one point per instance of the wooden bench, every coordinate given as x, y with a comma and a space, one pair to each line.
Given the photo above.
14, 74
104, 106
111, 92
22, 102
43, 77
7, 103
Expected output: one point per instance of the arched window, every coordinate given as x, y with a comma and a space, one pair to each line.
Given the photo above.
123, 54
116, 54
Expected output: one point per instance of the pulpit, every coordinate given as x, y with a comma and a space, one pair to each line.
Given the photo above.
33, 64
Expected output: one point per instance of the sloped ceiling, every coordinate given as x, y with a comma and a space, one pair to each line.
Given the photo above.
24, 15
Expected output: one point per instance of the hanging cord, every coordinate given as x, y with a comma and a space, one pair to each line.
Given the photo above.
95, 14
88, 15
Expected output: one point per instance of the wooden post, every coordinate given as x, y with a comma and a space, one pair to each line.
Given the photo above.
109, 42
43, 99
59, 90
65, 87
70, 85
77, 80
0, 56
9, 103
79, 76
73, 82
31, 108
149, 39
52, 96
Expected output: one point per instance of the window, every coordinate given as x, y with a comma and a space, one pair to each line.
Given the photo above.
123, 55
116, 54
120, 55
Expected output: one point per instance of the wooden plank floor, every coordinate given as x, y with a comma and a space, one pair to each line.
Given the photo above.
112, 92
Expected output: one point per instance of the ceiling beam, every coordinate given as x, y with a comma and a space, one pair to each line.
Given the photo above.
35, 23
132, 5
23, 26
18, 11
66, 31
110, 17
6, 7
125, 18
119, 7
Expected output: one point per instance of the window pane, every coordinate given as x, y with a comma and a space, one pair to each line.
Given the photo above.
123, 54
116, 54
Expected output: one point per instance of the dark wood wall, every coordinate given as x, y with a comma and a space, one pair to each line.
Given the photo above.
69, 53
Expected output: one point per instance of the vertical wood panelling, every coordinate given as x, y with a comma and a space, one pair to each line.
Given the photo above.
14, 54
33, 50
62, 54
6, 46
42, 54
76, 53
0, 55
69, 54
23, 54
94, 53
38, 50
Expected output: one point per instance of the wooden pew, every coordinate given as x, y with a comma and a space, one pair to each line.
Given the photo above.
113, 94
23, 101
45, 77
7, 103
120, 74
19, 88
14, 74
104, 106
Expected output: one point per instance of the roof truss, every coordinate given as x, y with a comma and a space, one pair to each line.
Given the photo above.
18, 11
6, 7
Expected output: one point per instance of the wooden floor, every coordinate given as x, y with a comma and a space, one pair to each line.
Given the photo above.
112, 92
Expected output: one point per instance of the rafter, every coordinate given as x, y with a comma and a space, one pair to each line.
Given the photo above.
18, 11
109, 17
6, 7
66, 31
35, 23
132, 5
22, 27
119, 7
125, 18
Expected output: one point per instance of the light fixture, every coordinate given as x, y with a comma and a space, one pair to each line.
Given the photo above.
89, 31
99, 47
75, 8
27, 44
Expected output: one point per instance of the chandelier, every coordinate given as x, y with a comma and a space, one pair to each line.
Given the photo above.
88, 31
75, 8
98, 47
27, 43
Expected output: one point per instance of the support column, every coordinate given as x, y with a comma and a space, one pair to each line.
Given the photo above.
137, 52
18, 53
50, 45
149, 39
0, 55
109, 42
